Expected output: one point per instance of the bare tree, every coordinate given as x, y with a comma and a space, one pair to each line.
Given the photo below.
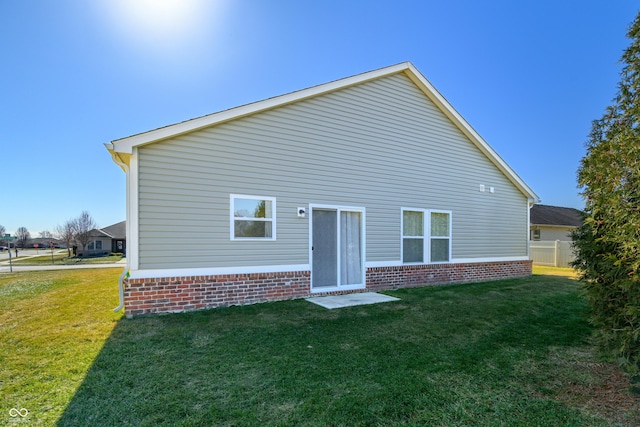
45, 234
23, 236
2, 233
83, 226
66, 233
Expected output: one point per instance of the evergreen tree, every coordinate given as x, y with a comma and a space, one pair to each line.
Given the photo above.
608, 244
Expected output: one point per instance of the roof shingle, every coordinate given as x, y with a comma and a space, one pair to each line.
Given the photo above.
556, 215
116, 231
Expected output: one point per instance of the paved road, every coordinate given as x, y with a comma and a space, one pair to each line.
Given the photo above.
4, 268
4, 255
29, 253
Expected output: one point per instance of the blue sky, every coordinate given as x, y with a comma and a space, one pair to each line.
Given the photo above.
529, 76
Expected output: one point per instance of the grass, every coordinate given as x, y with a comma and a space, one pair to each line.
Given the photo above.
554, 271
63, 259
495, 353
53, 324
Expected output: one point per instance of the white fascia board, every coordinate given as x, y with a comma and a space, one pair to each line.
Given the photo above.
125, 145
105, 233
468, 130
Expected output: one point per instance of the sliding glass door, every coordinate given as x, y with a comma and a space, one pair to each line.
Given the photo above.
337, 248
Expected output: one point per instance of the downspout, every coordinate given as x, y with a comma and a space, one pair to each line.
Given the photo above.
531, 202
125, 272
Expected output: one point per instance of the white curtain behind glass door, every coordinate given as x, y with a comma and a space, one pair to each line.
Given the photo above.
350, 248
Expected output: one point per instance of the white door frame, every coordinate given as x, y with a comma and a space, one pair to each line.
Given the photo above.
338, 209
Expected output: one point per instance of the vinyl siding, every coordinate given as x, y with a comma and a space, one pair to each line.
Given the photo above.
381, 145
554, 233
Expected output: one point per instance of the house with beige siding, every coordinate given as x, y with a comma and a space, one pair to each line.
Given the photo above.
367, 183
103, 241
551, 223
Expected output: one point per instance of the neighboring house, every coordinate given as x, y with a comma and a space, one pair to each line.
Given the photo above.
118, 234
105, 240
371, 182
45, 242
554, 222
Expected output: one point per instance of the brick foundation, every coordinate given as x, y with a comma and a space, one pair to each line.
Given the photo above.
177, 294
408, 276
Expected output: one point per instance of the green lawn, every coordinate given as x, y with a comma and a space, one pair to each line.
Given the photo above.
498, 353
554, 271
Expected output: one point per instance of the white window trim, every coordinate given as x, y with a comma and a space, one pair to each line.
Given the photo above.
423, 237
536, 233
426, 252
450, 237
93, 245
232, 218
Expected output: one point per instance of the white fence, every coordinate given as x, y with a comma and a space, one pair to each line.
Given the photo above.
552, 253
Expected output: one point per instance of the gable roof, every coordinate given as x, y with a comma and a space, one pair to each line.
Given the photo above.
121, 149
116, 231
555, 215
98, 233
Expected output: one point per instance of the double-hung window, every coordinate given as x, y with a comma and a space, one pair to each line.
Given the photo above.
440, 236
426, 236
413, 236
94, 245
253, 217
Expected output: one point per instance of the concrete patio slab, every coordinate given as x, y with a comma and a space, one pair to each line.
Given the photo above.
349, 300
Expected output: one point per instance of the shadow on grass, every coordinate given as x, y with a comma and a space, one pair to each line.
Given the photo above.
468, 354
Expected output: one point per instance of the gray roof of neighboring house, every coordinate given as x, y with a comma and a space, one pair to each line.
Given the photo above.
96, 232
45, 240
556, 215
116, 231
